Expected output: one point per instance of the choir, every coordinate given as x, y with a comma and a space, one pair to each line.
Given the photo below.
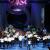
11, 36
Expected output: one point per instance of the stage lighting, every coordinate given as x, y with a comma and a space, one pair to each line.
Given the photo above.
18, 2
17, 10
17, 5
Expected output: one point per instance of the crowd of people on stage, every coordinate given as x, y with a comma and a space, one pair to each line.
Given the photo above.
11, 35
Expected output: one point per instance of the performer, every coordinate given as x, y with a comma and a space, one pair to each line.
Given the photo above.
29, 44
34, 39
44, 41
20, 38
44, 31
25, 40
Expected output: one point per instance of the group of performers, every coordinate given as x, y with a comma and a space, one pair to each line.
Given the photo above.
11, 36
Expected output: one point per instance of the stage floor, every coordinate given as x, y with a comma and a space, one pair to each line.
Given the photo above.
37, 47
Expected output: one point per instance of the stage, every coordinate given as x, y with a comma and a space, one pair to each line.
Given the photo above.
37, 47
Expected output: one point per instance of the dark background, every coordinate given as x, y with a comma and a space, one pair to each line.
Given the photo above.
34, 9
47, 17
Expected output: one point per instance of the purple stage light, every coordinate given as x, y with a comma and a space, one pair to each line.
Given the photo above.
18, 2
21, 2
17, 5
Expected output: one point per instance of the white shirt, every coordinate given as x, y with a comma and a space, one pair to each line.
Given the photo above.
29, 42
16, 35
45, 37
9, 39
34, 32
38, 39
13, 30
20, 38
6, 31
8, 35
5, 39
35, 35
30, 35
28, 32
12, 38
48, 37
25, 38
1, 40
